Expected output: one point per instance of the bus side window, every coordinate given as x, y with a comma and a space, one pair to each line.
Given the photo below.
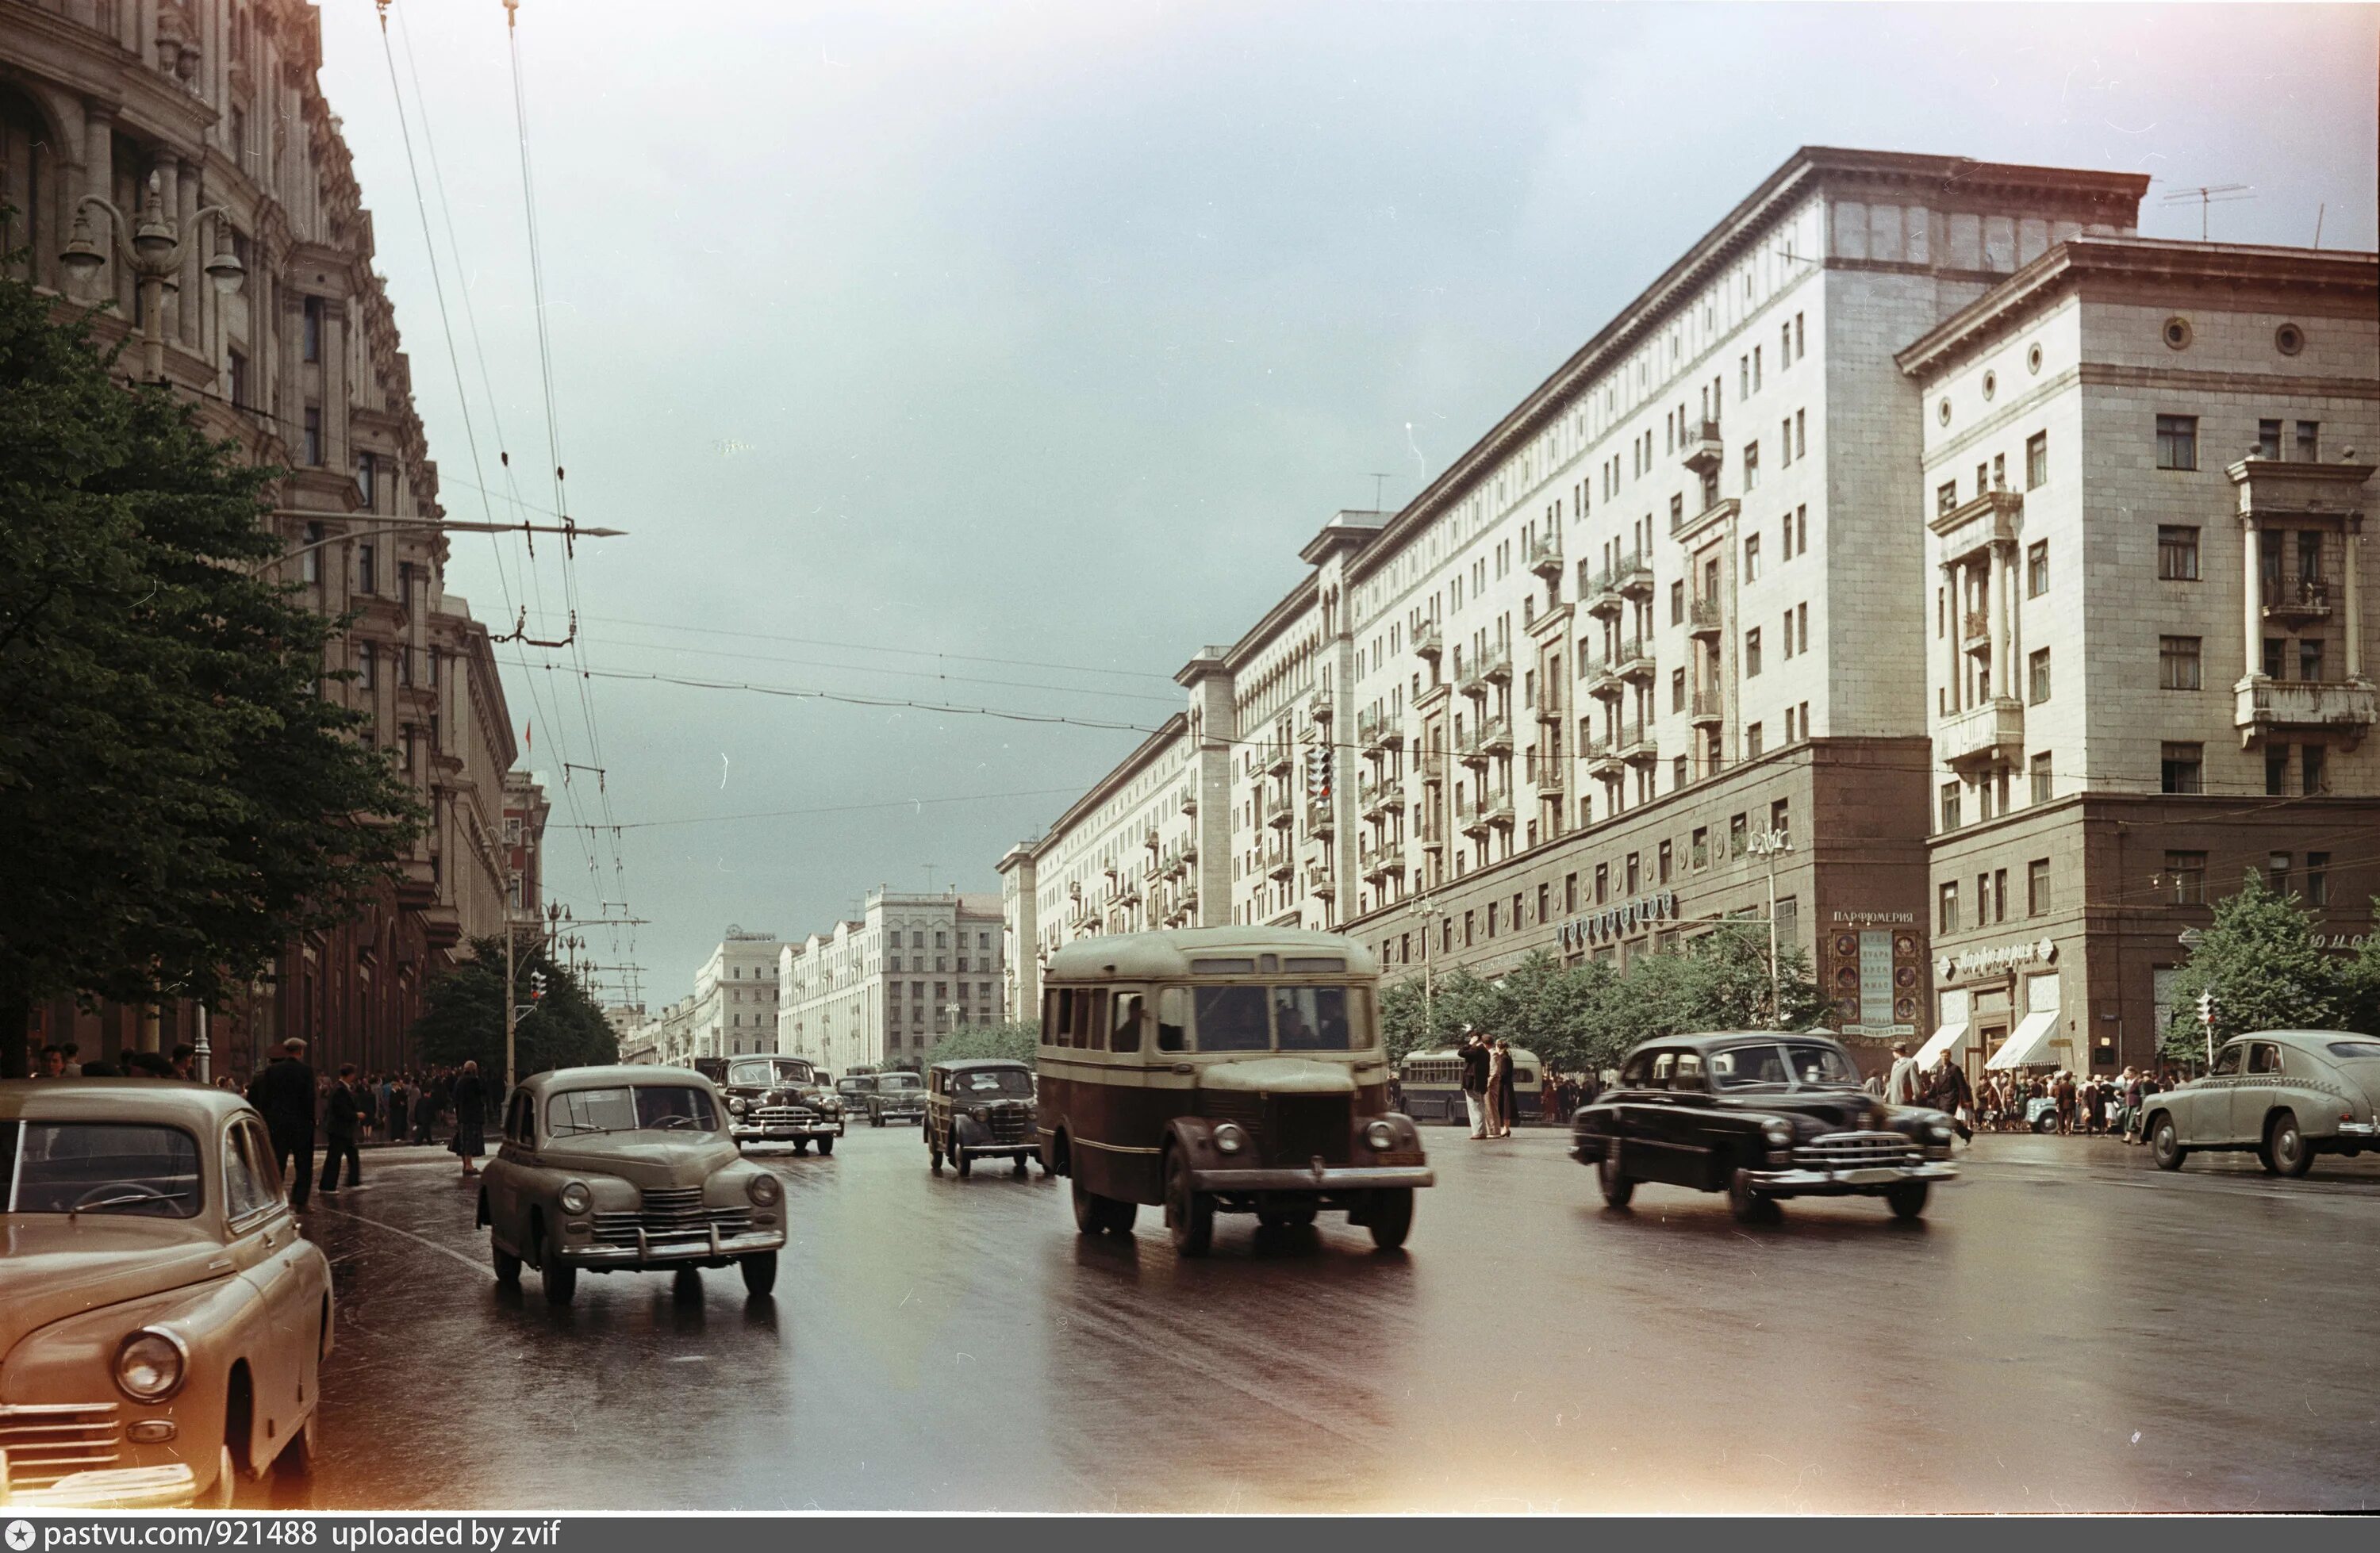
1049, 1016
1061, 1030
1127, 1022
1172, 1019
1092, 1009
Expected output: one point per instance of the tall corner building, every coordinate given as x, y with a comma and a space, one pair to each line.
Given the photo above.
1658, 649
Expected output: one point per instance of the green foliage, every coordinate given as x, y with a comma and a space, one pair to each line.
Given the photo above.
1582, 1018
177, 797
2358, 984
1016, 1039
464, 1016
2259, 959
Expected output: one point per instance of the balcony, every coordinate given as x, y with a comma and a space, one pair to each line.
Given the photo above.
1377, 733
1317, 878
1190, 804
1468, 817
1603, 761
1383, 862
1545, 770
1280, 760
1634, 576
1317, 706
1382, 797
1496, 665
1278, 861
1704, 617
1990, 732
1604, 600
1496, 735
1497, 810
1707, 710
1545, 556
1149, 839
1321, 818
1275, 812
1704, 451
1603, 680
1977, 629
2297, 597
1428, 641
1637, 745
1718, 511
2272, 706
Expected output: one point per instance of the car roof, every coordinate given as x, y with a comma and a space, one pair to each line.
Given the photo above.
962, 1064
117, 1099
1166, 953
607, 1075
1711, 1040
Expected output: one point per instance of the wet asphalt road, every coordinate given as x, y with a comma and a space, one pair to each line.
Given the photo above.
2068, 1331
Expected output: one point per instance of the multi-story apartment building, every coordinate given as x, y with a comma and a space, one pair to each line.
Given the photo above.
526, 811
667, 1037
881, 986
2149, 661
735, 998
162, 109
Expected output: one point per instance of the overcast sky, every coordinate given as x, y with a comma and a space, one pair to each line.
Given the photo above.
1041, 337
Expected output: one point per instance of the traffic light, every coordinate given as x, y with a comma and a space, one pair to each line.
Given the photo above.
1318, 771
536, 987
2206, 1007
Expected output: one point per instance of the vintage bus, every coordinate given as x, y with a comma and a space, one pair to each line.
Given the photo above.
1429, 1086
1234, 1070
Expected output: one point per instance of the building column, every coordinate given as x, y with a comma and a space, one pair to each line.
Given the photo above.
2250, 599
2352, 607
335, 453
194, 287
1948, 574
1995, 605
99, 178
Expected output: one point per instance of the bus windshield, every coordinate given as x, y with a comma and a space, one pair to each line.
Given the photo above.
1276, 1019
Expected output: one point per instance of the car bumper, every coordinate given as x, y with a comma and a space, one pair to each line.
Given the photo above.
171, 1486
996, 1150
2359, 1133
1325, 1178
901, 1115
751, 1134
649, 1253
1851, 1180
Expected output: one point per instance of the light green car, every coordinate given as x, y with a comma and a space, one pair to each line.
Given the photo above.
2288, 1095
626, 1169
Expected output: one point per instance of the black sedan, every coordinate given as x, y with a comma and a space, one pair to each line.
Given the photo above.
1760, 1115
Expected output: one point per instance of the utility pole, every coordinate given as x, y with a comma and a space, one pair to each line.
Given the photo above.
512, 1011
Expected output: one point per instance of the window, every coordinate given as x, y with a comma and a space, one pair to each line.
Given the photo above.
2312, 759
1701, 847
1999, 898
1751, 742
2276, 769
1739, 835
367, 479
2177, 441
1752, 558
1661, 862
2317, 878
2181, 767
2036, 568
2036, 666
2309, 449
309, 564
2186, 871
1678, 602
1570, 893
2277, 872
1946, 911
2177, 553
1801, 434
2276, 657
367, 570
2041, 778
1751, 654
2178, 663
1946, 497
2268, 439
239, 387
2037, 461
1126, 1028
1676, 689
313, 330
1751, 466
2310, 658
314, 435
1949, 805
2037, 887
367, 666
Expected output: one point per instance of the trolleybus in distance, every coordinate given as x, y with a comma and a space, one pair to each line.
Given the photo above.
1231, 1070
1429, 1086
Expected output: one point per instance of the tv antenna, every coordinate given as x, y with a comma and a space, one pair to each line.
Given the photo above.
1378, 479
2211, 194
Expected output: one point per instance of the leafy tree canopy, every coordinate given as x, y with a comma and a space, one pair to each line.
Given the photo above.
464, 1016
2259, 959
1016, 1039
176, 797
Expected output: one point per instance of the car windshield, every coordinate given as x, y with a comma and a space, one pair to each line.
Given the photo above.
898, 1081
1275, 1018
993, 1081
755, 1076
103, 1167
853, 1085
674, 1108
1797, 1064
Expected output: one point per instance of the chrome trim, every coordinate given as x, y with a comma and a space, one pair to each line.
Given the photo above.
1329, 1178
2359, 1129
171, 1486
648, 1252
116, 1371
1855, 1178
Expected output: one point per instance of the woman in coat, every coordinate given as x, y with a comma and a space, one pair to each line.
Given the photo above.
470, 1119
1500, 1090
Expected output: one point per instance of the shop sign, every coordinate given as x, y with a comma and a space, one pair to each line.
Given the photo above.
2341, 940
1875, 918
1619, 921
1997, 957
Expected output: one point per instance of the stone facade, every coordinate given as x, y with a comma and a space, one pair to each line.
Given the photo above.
735, 999
215, 104
881, 988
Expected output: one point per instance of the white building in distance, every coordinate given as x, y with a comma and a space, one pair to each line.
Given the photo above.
879, 988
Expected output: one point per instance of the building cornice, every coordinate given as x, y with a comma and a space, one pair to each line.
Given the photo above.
1174, 731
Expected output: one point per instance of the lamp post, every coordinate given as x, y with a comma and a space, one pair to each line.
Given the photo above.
1428, 910
1771, 844
152, 247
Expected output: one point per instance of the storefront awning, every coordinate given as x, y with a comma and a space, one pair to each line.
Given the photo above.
1949, 1038
2030, 1045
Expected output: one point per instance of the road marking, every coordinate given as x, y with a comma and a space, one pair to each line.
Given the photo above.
441, 1250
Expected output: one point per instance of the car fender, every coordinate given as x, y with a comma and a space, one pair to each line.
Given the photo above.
1407, 1137
965, 1130
1193, 1138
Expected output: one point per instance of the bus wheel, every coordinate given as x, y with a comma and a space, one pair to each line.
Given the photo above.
1391, 1216
1189, 1215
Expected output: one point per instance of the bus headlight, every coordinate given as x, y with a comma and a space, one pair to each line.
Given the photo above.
1380, 1135
1229, 1139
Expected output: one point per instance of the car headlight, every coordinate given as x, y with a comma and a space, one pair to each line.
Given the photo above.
735, 1105
1379, 1135
763, 1189
575, 1197
1779, 1137
1229, 1139
981, 1113
151, 1366
1939, 1131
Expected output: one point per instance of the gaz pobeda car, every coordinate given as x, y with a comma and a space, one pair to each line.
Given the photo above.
626, 1169
162, 1321
2289, 1094
1760, 1115
1234, 1070
776, 1100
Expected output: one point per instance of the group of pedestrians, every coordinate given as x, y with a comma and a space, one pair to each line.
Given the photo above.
401, 1108
2009, 1101
66, 1062
1488, 1084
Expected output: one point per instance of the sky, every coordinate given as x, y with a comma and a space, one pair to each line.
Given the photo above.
1001, 356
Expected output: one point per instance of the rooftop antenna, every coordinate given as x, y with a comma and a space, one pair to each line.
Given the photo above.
1378, 479
2320, 210
2210, 194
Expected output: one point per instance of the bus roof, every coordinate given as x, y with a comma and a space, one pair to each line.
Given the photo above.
1168, 954
1448, 1054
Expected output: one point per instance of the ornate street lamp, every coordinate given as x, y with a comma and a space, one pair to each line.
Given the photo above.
154, 248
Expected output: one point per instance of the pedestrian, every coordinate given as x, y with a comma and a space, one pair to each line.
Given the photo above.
1900, 1089
396, 1110
71, 1055
1499, 1089
366, 1106
1475, 1080
2062, 1097
284, 1093
148, 1065
341, 1117
425, 1111
2095, 1107
54, 1062
186, 1064
470, 1119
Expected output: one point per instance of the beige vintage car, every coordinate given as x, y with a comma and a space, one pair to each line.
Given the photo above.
162, 1322
626, 1169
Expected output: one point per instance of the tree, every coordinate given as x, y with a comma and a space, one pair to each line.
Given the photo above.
1016, 1039
178, 799
2259, 959
2358, 984
463, 1019
1418, 1016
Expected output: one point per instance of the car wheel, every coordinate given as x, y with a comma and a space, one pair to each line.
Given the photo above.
296, 1458
2046, 1122
801, 1146
2164, 1143
826, 1145
219, 1493
1617, 1188
759, 1270
560, 1279
1749, 1205
1089, 1217
1021, 1170
1189, 1215
1391, 1216
2286, 1147
1907, 1198
959, 1158
508, 1267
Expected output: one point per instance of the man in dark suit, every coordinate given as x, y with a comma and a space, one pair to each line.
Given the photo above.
284, 1093
341, 1121
1476, 1059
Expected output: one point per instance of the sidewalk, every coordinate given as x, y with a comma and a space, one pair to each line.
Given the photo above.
2045, 1148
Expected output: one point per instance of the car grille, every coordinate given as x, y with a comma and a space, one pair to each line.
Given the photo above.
1288, 1129
786, 1116
47, 1442
1848, 1151
670, 1214
1013, 1124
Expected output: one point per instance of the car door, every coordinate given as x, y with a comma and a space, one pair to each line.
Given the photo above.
1687, 1123
501, 1181
2254, 1092
1643, 1119
2202, 1109
269, 1253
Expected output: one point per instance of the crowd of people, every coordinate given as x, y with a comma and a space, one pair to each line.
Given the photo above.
2009, 1102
